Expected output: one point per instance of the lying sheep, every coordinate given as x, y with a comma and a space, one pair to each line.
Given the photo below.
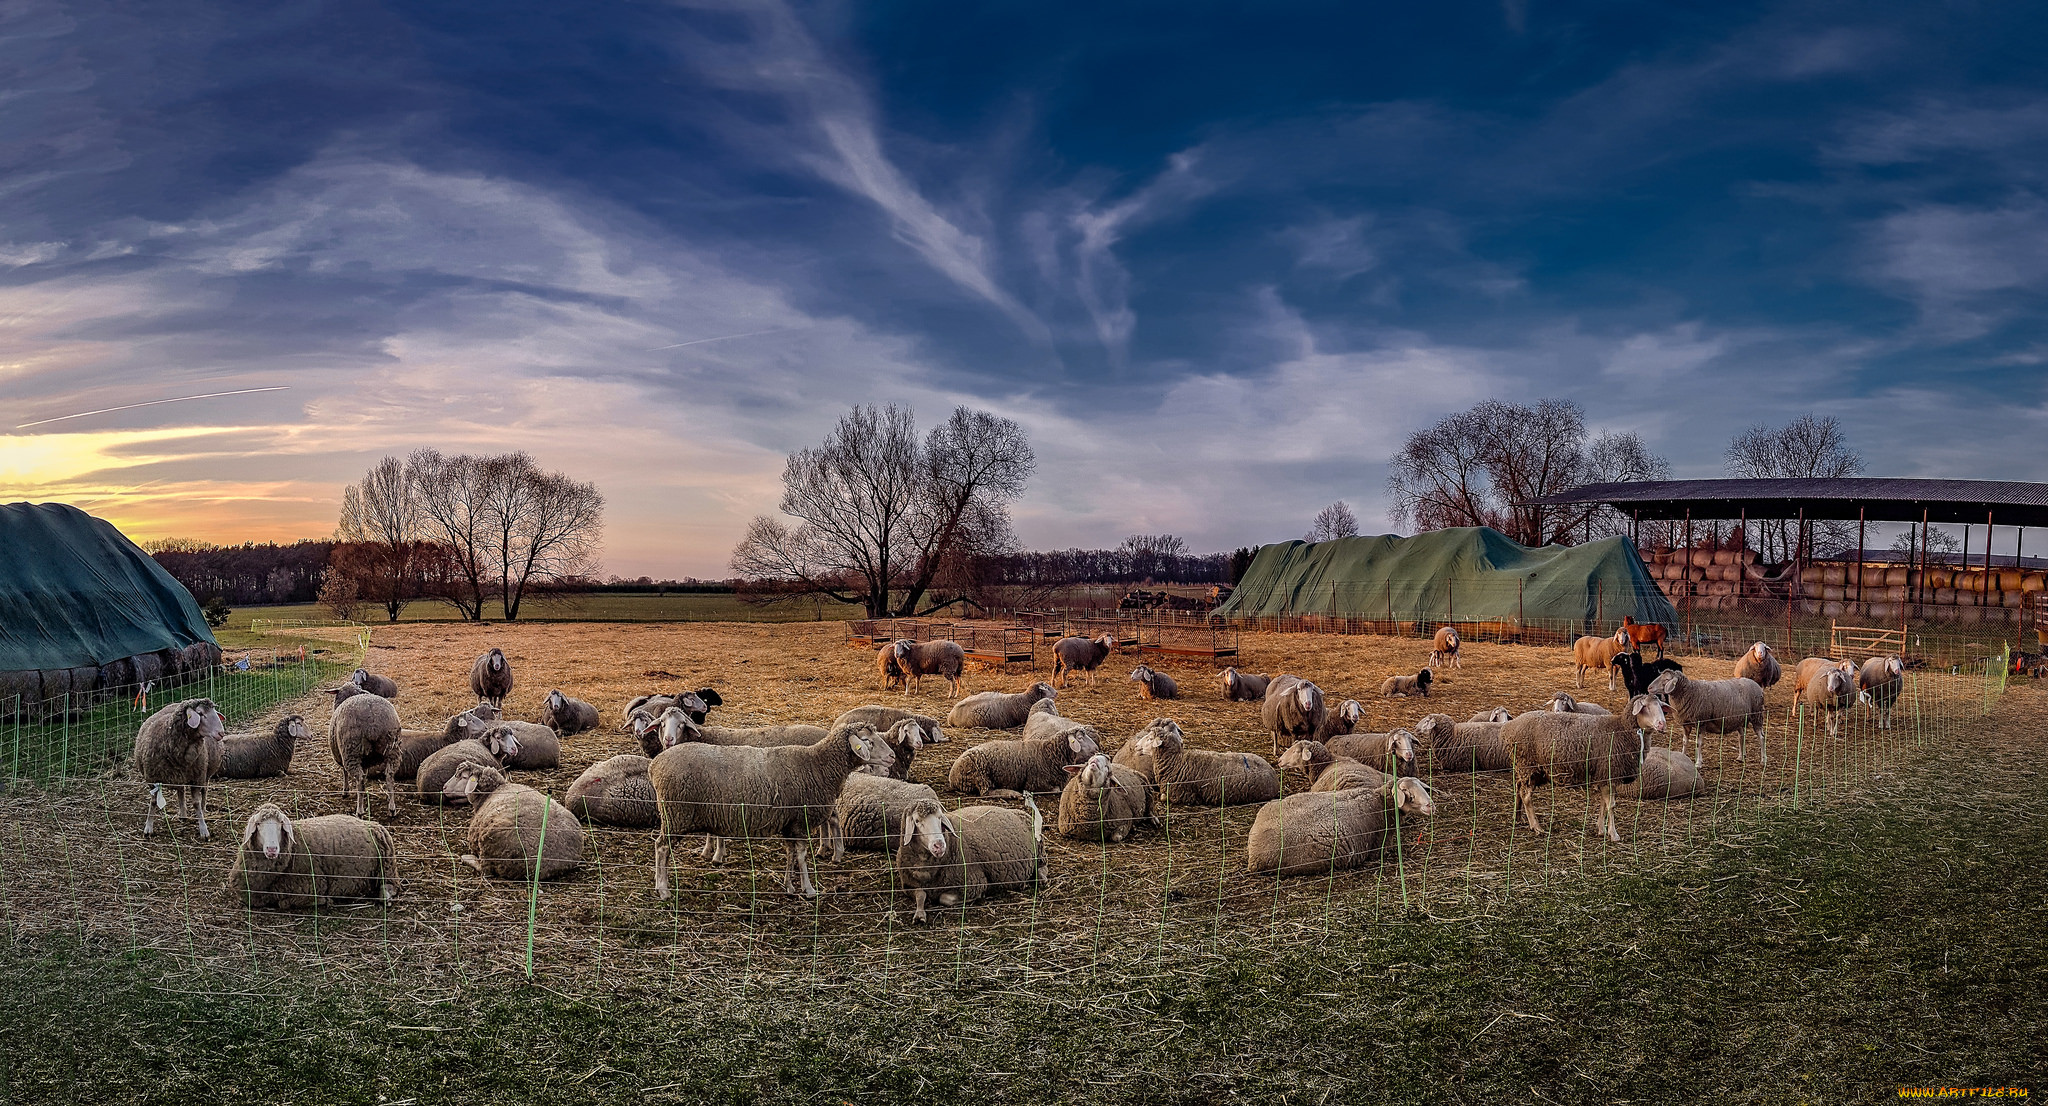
1474, 746
615, 791
1342, 721
1831, 691
1497, 714
697, 704
1880, 681
1444, 650
868, 816
254, 756
1102, 801
491, 677
1007, 768
1153, 684
1814, 666
1198, 777
1581, 751
956, 859
516, 832
532, 746
1311, 766
740, 792
1718, 706
1242, 687
180, 747
1599, 652
1562, 703
1637, 674
882, 718
1392, 752
1319, 832
1080, 654
416, 746
491, 750
373, 683
311, 862
1404, 686
568, 716
1666, 775
918, 659
997, 710
1293, 710
1760, 664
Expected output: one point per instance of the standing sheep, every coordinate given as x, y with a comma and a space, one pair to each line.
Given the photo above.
180, 746
1404, 686
1008, 768
1444, 650
1599, 652
1080, 654
567, 716
1243, 687
1583, 751
1198, 777
997, 710
1831, 691
311, 862
254, 756
1666, 775
1474, 746
1814, 666
869, 814
615, 792
516, 832
373, 683
1293, 710
918, 659
1880, 680
1314, 833
756, 794
1760, 664
491, 677
1311, 766
363, 734
1719, 706
1102, 801
882, 718
958, 858
888, 670
1153, 684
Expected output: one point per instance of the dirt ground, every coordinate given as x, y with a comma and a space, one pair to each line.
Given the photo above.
74, 860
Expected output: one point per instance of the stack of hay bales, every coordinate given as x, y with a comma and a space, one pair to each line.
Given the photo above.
1705, 579
1971, 594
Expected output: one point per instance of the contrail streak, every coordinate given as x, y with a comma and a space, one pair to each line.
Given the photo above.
150, 403
723, 338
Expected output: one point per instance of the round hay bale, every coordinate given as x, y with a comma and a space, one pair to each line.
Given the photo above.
2033, 582
1724, 556
1720, 588
2011, 579
1898, 577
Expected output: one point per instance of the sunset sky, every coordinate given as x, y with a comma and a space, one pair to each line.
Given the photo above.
1217, 259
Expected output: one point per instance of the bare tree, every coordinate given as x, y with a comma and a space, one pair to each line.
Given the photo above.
1333, 521
975, 464
380, 514
454, 511
543, 526
1809, 447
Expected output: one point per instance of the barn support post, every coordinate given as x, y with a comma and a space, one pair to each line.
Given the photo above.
2019, 621
1920, 589
1984, 592
1688, 558
1742, 566
1965, 566
1860, 521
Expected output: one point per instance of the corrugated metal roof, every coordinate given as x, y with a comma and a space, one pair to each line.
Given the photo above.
1881, 499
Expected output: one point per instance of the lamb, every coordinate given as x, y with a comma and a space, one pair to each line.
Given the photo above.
997, 710
1153, 684
491, 677
532, 747
1444, 650
882, 718
1584, 751
1342, 721
1311, 766
1320, 832
491, 750
373, 683
1562, 703
365, 733
869, 814
1392, 752
743, 792
1404, 686
1293, 710
1760, 664
254, 756
180, 747
1474, 746
1243, 687
1880, 681
1080, 654
918, 659
311, 862
1814, 666
1102, 801
1831, 691
1007, 768
1666, 775
1198, 777
615, 792
1599, 652
567, 716
1719, 706
957, 858
1636, 673
516, 832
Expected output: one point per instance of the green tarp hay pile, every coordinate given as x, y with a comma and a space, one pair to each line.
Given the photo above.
1467, 573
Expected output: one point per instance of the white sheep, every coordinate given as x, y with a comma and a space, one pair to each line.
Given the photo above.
1154, 684
1319, 832
374, 684
997, 710
868, 816
1198, 777
1243, 687
180, 746
1342, 721
615, 791
1311, 766
1443, 650
1760, 664
516, 832
1581, 750
1293, 710
1813, 666
1667, 774
1008, 768
491, 677
254, 756
311, 862
1563, 703
1080, 654
1474, 746
1880, 681
1599, 652
491, 749
568, 716
535, 746
956, 859
1103, 801
1831, 691
882, 718
1719, 706
1392, 752
1404, 686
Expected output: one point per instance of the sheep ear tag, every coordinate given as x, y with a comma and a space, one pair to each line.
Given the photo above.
192, 717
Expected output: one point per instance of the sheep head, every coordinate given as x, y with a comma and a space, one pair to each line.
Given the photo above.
1080, 746
1094, 775
296, 727
1411, 796
1308, 696
868, 748
677, 727
556, 701
204, 720
902, 647
1401, 744
1562, 703
359, 677
926, 821
1667, 684
1350, 712
1647, 710
503, 743
909, 732
1142, 674
497, 661
472, 782
1435, 727
270, 829
1760, 651
1162, 733
1307, 756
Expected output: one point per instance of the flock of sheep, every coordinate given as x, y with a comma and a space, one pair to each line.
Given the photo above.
1330, 796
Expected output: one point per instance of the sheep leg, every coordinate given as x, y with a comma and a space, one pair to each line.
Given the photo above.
661, 867
1581, 670
390, 783
1610, 677
149, 801
1607, 811
801, 868
200, 805
917, 901
1762, 757
1525, 799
